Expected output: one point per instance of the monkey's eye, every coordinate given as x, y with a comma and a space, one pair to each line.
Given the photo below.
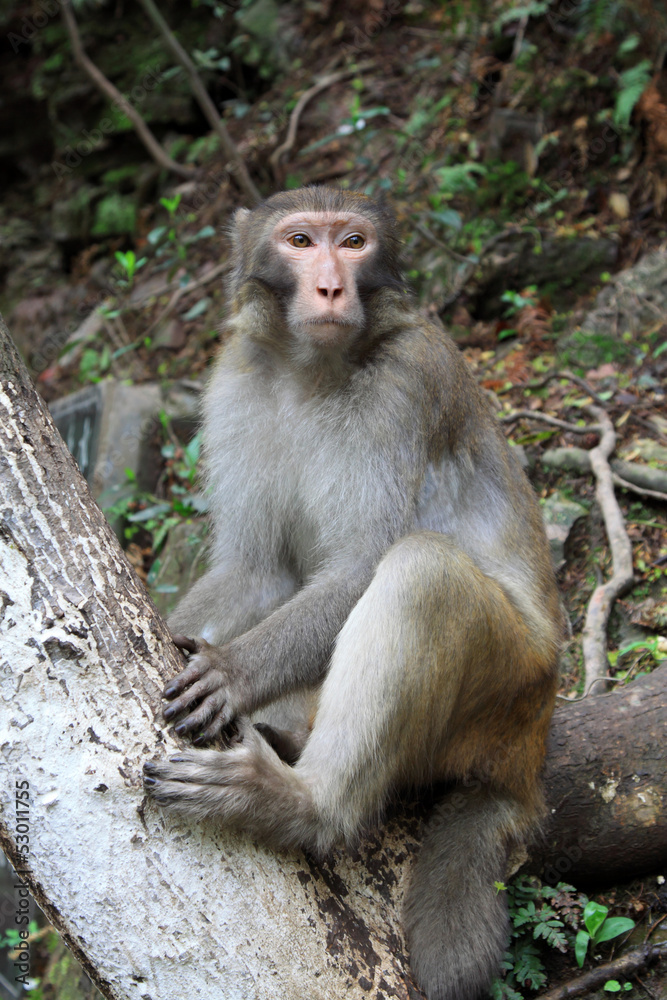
300, 240
354, 242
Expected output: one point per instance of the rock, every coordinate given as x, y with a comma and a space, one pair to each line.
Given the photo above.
519, 259
111, 427
183, 560
559, 515
633, 301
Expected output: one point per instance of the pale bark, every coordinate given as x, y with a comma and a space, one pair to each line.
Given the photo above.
152, 907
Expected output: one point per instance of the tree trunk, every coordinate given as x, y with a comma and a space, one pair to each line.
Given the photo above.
152, 906
158, 907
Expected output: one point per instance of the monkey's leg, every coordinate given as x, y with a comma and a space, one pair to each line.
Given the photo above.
429, 628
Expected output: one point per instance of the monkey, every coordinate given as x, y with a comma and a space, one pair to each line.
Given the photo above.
380, 612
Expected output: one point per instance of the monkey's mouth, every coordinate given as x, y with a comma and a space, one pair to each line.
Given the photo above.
329, 321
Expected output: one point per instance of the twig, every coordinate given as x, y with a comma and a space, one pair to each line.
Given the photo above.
184, 290
552, 421
106, 86
594, 638
641, 479
570, 376
594, 643
624, 965
654, 926
427, 234
209, 110
518, 38
326, 81
468, 270
94, 322
634, 488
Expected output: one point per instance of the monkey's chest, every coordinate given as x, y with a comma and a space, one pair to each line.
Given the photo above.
297, 484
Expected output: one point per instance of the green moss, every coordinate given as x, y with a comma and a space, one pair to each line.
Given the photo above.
115, 215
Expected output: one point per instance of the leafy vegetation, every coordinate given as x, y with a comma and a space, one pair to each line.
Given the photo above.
552, 917
598, 928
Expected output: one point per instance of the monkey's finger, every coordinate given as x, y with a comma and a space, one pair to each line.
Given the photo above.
195, 669
204, 767
201, 716
219, 722
184, 642
206, 685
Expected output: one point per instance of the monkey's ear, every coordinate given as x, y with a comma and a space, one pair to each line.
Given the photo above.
240, 220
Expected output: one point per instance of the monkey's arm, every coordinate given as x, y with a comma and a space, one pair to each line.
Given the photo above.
287, 650
229, 599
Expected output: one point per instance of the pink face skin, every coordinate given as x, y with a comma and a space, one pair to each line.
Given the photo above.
325, 252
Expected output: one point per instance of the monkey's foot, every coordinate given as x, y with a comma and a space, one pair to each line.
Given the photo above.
246, 786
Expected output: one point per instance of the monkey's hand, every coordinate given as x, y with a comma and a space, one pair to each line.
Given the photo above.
207, 696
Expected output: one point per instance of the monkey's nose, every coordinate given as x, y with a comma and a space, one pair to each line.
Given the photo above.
330, 291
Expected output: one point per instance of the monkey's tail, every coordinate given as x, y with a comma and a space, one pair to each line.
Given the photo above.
455, 919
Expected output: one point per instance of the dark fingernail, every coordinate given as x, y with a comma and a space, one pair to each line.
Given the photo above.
149, 781
168, 712
176, 760
198, 740
170, 692
181, 729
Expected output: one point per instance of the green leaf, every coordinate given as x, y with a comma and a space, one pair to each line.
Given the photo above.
581, 947
612, 928
197, 309
192, 449
149, 512
171, 204
632, 84
612, 986
448, 217
204, 233
156, 235
629, 44
594, 916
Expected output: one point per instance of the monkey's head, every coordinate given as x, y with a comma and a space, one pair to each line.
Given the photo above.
321, 254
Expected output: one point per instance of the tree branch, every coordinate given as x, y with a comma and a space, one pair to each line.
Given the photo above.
594, 639
323, 84
109, 90
207, 106
624, 965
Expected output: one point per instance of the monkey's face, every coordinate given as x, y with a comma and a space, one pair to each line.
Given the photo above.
326, 255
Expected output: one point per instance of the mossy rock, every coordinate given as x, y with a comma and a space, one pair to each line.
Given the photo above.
115, 215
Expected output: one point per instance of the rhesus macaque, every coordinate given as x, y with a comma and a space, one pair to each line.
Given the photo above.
380, 611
